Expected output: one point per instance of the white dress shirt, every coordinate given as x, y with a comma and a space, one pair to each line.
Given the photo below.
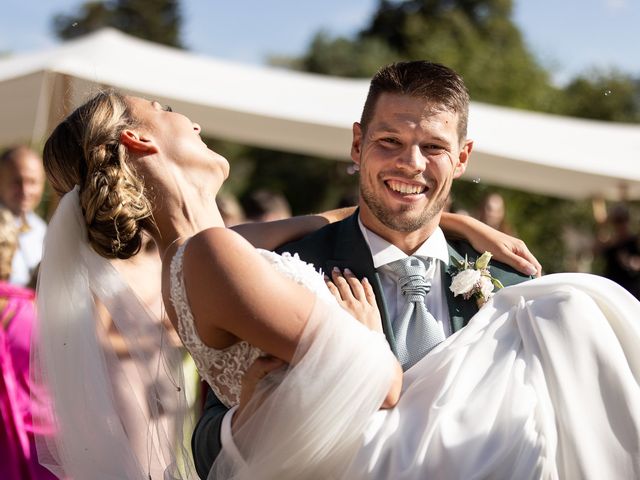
383, 253
29, 252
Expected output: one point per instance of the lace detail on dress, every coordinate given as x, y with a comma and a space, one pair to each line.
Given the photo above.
223, 369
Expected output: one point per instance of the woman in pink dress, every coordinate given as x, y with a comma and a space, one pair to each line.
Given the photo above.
18, 459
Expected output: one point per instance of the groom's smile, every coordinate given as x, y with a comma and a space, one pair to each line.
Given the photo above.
404, 188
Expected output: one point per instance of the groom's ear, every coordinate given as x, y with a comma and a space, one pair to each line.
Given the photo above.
137, 142
356, 143
463, 158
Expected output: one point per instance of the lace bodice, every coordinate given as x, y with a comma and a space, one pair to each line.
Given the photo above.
223, 369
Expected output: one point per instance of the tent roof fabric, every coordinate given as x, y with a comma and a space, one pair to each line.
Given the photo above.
306, 113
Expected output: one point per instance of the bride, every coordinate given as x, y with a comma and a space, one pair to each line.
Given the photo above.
542, 384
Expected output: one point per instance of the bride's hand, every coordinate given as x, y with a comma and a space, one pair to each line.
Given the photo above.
505, 248
356, 297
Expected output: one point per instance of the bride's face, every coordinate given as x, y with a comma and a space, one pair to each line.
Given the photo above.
175, 136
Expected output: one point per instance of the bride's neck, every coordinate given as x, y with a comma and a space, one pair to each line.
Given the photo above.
189, 209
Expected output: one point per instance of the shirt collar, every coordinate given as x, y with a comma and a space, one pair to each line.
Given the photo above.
384, 252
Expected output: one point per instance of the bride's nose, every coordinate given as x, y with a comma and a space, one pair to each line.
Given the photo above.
197, 128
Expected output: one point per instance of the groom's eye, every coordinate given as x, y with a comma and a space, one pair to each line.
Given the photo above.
433, 147
167, 108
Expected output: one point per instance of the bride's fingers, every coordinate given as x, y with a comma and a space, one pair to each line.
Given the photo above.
519, 256
369, 295
333, 289
341, 284
356, 286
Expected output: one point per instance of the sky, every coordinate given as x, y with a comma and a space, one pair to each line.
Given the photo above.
569, 36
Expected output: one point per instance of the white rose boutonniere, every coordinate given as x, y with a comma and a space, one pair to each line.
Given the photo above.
473, 279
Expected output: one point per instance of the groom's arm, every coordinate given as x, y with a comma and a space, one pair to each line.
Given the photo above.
205, 441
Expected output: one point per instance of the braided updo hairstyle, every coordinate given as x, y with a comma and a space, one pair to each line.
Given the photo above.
85, 150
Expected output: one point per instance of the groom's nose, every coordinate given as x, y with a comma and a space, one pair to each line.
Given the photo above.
412, 159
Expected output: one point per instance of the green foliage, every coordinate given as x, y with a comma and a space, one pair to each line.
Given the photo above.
476, 38
336, 56
154, 20
612, 96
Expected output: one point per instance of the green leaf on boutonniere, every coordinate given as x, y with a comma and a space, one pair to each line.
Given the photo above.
458, 264
497, 283
483, 261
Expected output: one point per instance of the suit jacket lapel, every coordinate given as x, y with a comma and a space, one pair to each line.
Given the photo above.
351, 251
460, 310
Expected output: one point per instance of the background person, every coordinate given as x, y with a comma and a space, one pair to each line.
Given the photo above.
265, 206
21, 187
620, 250
230, 209
493, 212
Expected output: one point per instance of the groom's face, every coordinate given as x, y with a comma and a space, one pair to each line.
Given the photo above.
408, 157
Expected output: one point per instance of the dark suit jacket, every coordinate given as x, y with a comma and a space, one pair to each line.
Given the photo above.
341, 244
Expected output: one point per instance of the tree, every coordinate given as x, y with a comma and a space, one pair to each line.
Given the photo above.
600, 95
154, 20
477, 38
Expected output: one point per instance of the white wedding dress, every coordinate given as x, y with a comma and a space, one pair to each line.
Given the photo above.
542, 383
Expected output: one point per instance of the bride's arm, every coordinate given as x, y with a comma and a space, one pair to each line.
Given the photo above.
224, 274
505, 248
270, 235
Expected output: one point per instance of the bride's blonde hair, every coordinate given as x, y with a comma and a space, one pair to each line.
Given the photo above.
85, 150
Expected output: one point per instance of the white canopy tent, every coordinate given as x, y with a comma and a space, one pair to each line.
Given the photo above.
305, 113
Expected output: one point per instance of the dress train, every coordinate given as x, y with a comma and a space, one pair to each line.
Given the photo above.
542, 383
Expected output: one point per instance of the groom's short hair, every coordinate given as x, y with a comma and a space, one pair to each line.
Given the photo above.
421, 79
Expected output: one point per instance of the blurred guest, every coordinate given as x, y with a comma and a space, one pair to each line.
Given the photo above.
621, 250
265, 206
230, 209
21, 187
492, 211
18, 396
133, 391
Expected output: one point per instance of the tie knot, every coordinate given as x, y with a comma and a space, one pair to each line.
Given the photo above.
412, 277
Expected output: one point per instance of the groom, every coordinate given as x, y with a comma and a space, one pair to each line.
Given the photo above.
409, 146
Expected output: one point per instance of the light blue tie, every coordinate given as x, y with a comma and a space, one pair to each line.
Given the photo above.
416, 331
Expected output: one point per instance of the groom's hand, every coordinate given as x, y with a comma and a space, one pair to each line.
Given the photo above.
260, 368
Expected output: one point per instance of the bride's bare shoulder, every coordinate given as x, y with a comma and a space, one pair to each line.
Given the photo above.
215, 251
215, 238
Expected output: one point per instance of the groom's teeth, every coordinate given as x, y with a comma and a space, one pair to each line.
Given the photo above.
401, 187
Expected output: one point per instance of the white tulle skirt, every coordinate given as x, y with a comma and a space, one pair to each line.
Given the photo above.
542, 383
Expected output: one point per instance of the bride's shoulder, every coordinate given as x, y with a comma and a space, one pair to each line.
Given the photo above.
295, 268
216, 241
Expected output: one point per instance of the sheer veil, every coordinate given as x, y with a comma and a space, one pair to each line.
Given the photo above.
82, 432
